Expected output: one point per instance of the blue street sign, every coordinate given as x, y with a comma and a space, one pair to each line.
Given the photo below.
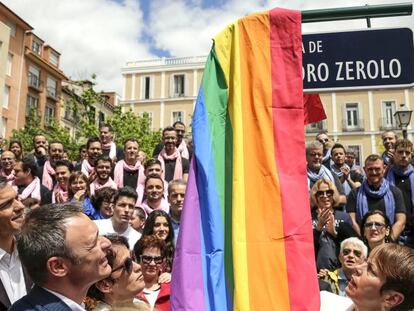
380, 58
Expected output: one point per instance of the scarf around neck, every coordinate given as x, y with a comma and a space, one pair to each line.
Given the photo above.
408, 172
32, 190
178, 170
57, 190
95, 185
48, 172
324, 172
182, 148
86, 168
112, 149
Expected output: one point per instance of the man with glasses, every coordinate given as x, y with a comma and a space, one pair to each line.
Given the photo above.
353, 253
119, 223
401, 175
376, 193
323, 138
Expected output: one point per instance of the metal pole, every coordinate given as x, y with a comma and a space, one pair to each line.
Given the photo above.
357, 12
404, 132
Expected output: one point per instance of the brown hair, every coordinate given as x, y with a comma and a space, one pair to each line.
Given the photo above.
74, 176
373, 158
148, 241
403, 143
396, 264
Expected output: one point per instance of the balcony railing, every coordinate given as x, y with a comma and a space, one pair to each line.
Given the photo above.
34, 81
387, 124
353, 126
317, 127
51, 93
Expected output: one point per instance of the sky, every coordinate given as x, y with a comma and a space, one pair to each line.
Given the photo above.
101, 36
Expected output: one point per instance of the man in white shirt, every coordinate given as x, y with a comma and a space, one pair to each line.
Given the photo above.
124, 203
13, 283
62, 252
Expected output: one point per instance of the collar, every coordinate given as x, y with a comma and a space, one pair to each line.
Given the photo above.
4, 253
71, 304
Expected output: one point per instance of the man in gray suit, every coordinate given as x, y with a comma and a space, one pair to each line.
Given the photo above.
13, 282
63, 254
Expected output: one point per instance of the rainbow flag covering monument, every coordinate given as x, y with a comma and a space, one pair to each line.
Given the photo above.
245, 239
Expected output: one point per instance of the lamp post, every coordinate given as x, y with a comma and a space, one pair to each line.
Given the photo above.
403, 118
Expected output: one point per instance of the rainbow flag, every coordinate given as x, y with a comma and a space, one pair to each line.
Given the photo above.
245, 239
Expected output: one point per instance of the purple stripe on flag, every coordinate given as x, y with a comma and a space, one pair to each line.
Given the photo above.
187, 278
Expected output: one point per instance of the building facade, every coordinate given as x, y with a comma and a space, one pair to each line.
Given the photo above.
30, 77
167, 89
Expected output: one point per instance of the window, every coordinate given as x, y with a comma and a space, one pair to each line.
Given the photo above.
51, 87
12, 28
3, 126
352, 115
54, 58
146, 88
6, 96
49, 115
31, 103
177, 116
357, 151
179, 85
36, 47
34, 77
388, 110
9, 64
101, 118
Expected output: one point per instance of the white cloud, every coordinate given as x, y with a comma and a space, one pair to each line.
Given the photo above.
93, 36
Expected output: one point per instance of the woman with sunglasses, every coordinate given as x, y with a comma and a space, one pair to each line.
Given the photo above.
330, 226
376, 229
150, 253
124, 283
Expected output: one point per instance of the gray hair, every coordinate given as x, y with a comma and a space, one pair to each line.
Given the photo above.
356, 242
176, 182
313, 145
43, 236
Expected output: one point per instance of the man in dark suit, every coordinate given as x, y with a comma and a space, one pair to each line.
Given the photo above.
13, 282
63, 254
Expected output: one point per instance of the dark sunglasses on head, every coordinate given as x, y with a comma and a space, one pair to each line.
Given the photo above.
127, 265
148, 259
374, 224
323, 140
327, 193
347, 251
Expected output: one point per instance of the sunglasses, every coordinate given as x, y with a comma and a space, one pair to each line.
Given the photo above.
347, 251
148, 259
323, 140
126, 266
374, 224
327, 193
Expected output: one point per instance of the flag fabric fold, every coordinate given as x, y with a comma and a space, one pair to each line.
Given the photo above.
245, 239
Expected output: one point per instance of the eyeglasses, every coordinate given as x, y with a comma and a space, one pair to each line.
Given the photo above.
374, 225
327, 193
127, 266
148, 259
323, 140
348, 251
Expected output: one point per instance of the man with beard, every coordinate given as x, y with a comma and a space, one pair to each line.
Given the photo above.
63, 254
388, 140
353, 253
376, 193
323, 138
8, 160
154, 194
60, 193
27, 183
109, 148
342, 170
129, 171
94, 150
47, 172
401, 175
103, 168
124, 203
176, 192
350, 161
39, 147
174, 166
14, 283
180, 144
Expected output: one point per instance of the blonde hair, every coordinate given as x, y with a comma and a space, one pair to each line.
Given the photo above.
331, 186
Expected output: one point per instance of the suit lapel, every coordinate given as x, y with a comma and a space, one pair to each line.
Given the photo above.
39, 296
4, 298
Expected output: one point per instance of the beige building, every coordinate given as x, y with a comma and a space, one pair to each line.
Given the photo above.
73, 109
29, 74
167, 89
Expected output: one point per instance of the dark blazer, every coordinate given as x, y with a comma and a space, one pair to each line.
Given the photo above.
39, 299
4, 299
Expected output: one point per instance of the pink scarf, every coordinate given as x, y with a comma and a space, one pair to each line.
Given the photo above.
163, 206
178, 170
96, 185
63, 194
121, 167
48, 172
32, 190
87, 169
10, 177
112, 149
182, 148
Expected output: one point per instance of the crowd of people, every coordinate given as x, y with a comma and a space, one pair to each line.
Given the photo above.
99, 232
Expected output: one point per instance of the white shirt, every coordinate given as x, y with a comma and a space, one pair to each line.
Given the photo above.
11, 275
105, 227
151, 296
330, 302
71, 304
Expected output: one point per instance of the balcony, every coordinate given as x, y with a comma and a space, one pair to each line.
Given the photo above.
317, 127
51, 93
34, 82
388, 124
352, 126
